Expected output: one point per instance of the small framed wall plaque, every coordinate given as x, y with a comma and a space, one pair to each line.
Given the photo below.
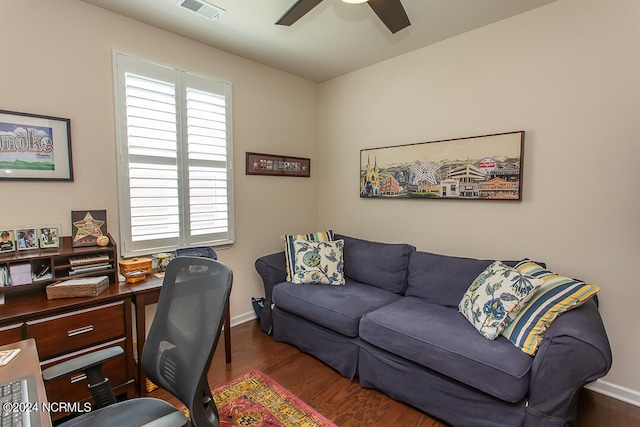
273, 164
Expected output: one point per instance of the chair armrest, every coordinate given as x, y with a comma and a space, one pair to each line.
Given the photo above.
91, 365
575, 351
81, 363
174, 419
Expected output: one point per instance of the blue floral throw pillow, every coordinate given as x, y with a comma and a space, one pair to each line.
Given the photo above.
495, 296
318, 262
288, 239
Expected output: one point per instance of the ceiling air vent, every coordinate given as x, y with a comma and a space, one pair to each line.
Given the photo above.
201, 8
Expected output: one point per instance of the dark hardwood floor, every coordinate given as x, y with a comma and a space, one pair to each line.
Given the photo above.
345, 402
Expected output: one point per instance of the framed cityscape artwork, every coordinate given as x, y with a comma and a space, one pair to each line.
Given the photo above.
485, 167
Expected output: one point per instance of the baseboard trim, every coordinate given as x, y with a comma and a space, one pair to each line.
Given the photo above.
243, 318
615, 391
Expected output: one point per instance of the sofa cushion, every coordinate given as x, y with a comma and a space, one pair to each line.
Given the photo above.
496, 294
288, 239
442, 279
441, 339
318, 262
557, 295
383, 265
338, 308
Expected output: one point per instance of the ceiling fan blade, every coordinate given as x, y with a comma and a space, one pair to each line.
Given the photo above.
391, 13
297, 11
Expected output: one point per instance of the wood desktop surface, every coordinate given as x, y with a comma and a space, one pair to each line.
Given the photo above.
24, 364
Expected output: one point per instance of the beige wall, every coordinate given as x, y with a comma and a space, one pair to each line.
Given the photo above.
58, 62
567, 74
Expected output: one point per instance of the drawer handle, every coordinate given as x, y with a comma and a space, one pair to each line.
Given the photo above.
80, 331
78, 378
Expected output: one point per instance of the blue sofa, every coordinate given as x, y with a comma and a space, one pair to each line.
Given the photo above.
395, 325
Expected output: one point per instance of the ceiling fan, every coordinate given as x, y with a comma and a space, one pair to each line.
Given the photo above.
390, 12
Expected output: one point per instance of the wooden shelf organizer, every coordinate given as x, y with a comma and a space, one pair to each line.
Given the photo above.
60, 264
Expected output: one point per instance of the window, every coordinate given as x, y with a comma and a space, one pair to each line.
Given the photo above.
175, 156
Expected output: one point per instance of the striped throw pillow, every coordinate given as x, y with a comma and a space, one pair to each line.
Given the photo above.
288, 239
557, 295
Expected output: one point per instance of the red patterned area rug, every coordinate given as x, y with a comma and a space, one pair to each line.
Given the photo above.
255, 400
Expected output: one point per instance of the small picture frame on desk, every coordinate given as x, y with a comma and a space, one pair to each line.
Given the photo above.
49, 236
7, 241
27, 238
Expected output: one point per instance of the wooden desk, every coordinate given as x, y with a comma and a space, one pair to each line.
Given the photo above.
69, 327
147, 292
27, 363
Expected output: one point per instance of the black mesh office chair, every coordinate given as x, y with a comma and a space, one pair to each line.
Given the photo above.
177, 353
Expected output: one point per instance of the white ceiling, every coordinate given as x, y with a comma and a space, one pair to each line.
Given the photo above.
333, 39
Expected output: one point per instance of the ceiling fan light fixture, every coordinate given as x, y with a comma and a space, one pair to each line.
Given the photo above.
390, 12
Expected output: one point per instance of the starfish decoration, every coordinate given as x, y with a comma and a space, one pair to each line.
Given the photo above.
425, 172
88, 227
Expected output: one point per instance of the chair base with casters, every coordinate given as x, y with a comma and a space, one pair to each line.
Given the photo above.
176, 356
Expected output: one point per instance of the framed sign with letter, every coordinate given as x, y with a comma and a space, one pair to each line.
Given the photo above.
35, 147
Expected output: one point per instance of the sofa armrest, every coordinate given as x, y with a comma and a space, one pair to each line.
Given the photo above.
575, 351
272, 269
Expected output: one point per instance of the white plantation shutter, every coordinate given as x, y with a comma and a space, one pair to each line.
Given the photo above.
175, 185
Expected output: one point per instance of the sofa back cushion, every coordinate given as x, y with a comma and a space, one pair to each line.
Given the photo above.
442, 279
383, 265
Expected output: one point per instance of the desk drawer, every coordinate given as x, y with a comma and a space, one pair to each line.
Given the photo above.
72, 331
10, 334
73, 388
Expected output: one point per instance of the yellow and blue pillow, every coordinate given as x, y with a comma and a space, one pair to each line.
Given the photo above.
288, 239
557, 295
